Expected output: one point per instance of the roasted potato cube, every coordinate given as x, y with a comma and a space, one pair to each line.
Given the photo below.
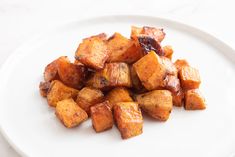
128, 118
51, 72
178, 98
157, 103
88, 97
72, 75
180, 63
194, 100
189, 78
118, 94
93, 52
136, 83
69, 113
113, 74
122, 49
169, 66
150, 71
58, 91
168, 51
135, 31
102, 117
44, 87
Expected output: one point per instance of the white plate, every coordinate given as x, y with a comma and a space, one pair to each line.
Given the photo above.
32, 128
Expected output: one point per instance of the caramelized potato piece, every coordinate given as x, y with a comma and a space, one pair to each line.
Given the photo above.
102, 117
51, 72
128, 118
119, 94
122, 49
180, 63
178, 98
169, 66
69, 113
72, 75
135, 31
194, 100
113, 75
168, 51
44, 87
93, 52
136, 83
157, 103
189, 78
88, 97
58, 91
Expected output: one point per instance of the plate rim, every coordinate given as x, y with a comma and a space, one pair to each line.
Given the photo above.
230, 55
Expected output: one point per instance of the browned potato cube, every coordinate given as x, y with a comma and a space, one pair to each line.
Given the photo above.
113, 74
119, 94
180, 63
189, 78
88, 97
178, 98
72, 75
194, 100
157, 103
102, 117
136, 83
69, 113
58, 91
44, 87
93, 52
122, 49
128, 118
169, 66
168, 51
51, 72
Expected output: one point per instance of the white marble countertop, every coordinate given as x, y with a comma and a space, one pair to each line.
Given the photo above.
21, 19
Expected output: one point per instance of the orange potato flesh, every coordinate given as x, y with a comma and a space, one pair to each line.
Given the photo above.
180, 63
194, 100
168, 51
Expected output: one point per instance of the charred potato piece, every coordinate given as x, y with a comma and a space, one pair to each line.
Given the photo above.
44, 88
102, 117
194, 100
58, 91
119, 94
189, 78
88, 97
128, 118
93, 52
168, 51
72, 75
69, 113
180, 63
51, 72
113, 75
136, 83
122, 49
157, 103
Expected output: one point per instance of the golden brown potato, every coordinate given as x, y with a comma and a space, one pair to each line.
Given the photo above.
169, 66
118, 94
128, 118
88, 97
93, 52
122, 49
189, 78
136, 83
180, 63
194, 100
58, 91
102, 117
135, 31
69, 113
51, 72
157, 103
44, 87
168, 51
72, 75
113, 75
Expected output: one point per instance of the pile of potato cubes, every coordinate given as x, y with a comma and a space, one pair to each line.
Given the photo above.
116, 79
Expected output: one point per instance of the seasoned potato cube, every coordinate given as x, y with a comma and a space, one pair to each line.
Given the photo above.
135, 31
169, 66
51, 72
71, 74
194, 100
136, 83
178, 98
122, 49
189, 78
69, 113
150, 71
180, 63
44, 87
93, 52
157, 103
102, 117
113, 74
58, 91
88, 97
119, 94
168, 51
128, 118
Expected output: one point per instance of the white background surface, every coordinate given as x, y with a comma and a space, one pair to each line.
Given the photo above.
22, 19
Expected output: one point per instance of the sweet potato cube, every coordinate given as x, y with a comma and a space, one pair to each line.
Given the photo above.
58, 91
194, 100
136, 83
169, 66
122, 49
128, 118
168, 51
69, 113
135, 31
102, 117
44, 87
88, 97
93, 52
118, 94
189, 78
51, 72
178, 98
180, 63
150, 71
157, 103
113, 75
